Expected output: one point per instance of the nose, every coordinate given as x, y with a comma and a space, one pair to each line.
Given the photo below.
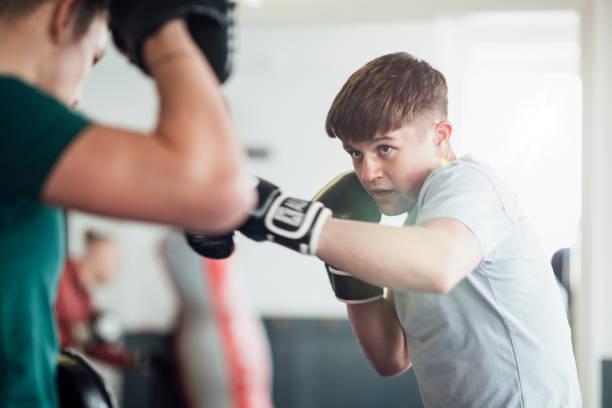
370, 168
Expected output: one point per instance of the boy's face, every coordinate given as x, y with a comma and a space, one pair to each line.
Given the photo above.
79, 54
392, 167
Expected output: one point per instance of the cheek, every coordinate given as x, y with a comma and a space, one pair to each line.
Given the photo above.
409, 173
405, 165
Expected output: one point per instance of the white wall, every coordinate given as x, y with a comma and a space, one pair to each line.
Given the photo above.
516, 102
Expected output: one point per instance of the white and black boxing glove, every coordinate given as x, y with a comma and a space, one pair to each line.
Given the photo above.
347, 199
288, 221
291, 222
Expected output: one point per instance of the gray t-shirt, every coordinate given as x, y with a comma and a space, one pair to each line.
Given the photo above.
500, 337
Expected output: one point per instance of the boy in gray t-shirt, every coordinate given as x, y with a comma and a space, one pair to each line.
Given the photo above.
472, 302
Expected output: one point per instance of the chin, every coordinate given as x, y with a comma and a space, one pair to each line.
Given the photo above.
396, 207
394, 213
391, 210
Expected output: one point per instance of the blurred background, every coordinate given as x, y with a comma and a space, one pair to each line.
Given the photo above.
529, 93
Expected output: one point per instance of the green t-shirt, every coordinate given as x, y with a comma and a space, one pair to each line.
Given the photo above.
34, 131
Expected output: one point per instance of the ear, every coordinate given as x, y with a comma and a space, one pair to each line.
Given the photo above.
443, 132
63, 20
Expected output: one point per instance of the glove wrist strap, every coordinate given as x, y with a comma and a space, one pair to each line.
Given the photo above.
296, 223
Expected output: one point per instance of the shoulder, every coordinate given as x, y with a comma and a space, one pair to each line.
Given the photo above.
29, 113
462, 174
25, 101
472, 191
18, 92
35, 126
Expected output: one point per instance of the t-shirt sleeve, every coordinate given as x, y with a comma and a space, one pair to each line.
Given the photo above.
34, 131
470, 196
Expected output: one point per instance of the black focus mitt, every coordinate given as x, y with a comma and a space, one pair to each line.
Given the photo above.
210, 23
79, 384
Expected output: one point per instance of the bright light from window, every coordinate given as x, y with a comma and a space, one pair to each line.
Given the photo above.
515, 100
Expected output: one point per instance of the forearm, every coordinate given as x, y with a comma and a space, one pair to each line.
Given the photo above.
194, 125
400, 258
380, 335
193, 117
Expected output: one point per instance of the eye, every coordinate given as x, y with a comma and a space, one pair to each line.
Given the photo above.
355, 154
385, 149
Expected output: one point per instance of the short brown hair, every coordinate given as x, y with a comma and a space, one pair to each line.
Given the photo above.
386, 94
88, 10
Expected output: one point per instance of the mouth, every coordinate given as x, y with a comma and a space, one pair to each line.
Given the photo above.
381, 194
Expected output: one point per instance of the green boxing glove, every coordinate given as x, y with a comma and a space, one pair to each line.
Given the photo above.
347, 199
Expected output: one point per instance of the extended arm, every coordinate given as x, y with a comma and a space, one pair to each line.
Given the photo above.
431, 257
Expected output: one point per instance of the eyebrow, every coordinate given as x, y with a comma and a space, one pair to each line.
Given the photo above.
373, 141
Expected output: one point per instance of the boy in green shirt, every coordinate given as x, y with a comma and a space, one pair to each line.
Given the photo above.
189, 171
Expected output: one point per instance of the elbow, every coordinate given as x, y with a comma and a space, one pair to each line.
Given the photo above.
221, 201
392, 368
233, 202
441, 269
452, 265
441, 284
446, 274
389, 364
443, 280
